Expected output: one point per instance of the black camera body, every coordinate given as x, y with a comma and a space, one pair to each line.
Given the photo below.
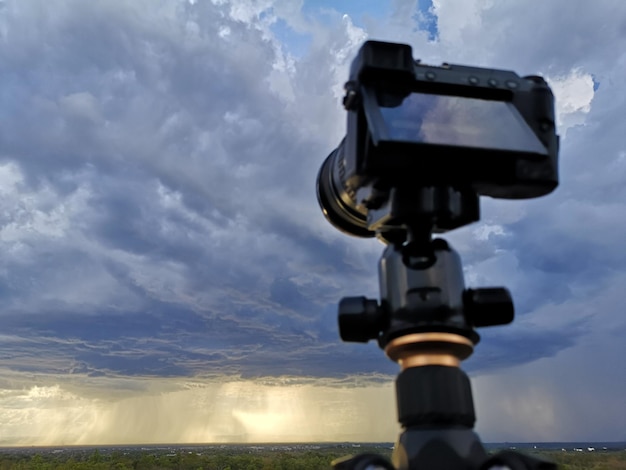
411, 125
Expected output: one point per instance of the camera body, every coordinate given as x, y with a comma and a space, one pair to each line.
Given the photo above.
413, 126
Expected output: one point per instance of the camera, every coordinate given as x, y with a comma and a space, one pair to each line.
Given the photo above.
423, 142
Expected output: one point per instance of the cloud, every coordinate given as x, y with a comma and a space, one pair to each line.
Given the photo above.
571, 396
155, 169
157, 175
573, 94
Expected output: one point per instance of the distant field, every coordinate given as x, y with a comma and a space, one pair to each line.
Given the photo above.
248, 457
587, 460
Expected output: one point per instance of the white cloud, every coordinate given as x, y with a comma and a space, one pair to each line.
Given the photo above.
32, 216
573, 94
459, 22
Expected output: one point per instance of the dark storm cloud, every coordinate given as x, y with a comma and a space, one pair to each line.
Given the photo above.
159, 216
170, 342
163, 118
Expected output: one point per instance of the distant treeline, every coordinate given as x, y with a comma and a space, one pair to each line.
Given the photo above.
216, 459
232, 459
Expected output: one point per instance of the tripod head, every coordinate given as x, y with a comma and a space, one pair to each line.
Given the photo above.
423, 144
421, 283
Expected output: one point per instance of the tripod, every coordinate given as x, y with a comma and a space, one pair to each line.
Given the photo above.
425, 322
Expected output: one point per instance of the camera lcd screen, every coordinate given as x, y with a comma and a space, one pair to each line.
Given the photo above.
460, 121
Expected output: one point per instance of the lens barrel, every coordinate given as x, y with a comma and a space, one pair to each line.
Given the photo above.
337, 199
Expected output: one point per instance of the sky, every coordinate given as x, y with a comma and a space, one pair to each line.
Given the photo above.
166, 274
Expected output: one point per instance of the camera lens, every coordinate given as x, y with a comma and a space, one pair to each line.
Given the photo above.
337, 199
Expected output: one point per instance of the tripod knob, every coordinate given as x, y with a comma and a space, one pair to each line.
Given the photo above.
360, 319
488, 306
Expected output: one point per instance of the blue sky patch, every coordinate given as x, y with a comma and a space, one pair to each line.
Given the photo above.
596, 83
296, 43
426, 19
357, 10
